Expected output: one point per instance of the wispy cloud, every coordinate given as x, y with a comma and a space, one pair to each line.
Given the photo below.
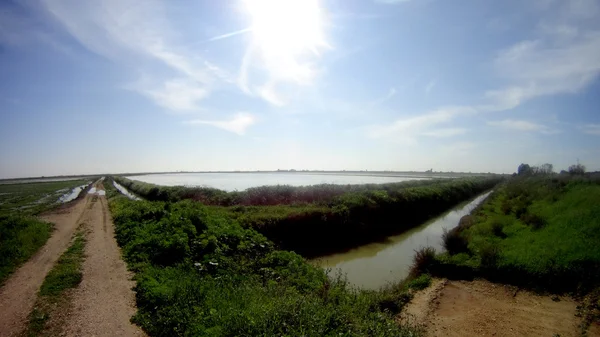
445, 132
406, 130
430, 85
230, 34
391, 2
237, 124
139, 36
591, 129
391, 93
522, 125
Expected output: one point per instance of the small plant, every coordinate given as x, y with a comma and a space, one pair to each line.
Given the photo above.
497, 229
420, 282
422, 261
533, 220
454, 242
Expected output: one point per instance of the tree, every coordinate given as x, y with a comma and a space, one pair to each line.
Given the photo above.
577, 169
524, 170
546, 169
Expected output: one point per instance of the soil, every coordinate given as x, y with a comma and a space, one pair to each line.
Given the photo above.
481, 308
19, 292
104, 301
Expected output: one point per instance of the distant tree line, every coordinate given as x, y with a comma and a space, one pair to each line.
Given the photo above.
545, 169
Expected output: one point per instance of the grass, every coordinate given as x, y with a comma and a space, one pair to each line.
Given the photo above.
199, 272
66, 274
359, 215
33, 198
20, 238
21, 234
538, 232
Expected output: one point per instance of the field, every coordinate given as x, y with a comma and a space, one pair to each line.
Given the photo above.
537, 232
21, 234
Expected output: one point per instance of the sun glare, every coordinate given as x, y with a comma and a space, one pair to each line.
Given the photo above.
287, 28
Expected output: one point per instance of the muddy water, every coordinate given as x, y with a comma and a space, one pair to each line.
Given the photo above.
375, 265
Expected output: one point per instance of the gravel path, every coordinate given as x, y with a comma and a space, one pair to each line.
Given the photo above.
104, 302
19, 292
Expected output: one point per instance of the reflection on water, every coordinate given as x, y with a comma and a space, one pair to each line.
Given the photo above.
377, 264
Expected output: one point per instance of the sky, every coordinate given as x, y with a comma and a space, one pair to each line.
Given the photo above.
114, 86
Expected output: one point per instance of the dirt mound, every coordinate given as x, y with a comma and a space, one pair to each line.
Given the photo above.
481, 308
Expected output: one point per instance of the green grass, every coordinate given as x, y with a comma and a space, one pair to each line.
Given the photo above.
67, 271
66, 274
542, 232
359, 215
198, 272
20, 238
21, 234
33, 198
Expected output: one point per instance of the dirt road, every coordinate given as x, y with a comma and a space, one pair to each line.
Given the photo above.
481, 308
18, 294
103, 303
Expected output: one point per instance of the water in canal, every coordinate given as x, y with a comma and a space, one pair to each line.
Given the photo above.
377, 264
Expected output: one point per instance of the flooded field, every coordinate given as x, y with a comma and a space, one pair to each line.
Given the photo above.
242, 181
374, 265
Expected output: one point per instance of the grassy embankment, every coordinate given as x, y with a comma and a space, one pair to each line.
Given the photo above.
317, 220
541, 233
200, 273
21, 234
537, 232
51, 301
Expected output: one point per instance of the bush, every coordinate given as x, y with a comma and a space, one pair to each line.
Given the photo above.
420, 282
533, 220
454, 242
423, 261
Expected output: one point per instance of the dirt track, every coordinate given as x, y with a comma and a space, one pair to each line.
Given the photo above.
18, 294
481, 308
103, 303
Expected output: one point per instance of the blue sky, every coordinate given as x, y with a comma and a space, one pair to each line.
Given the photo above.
126, 86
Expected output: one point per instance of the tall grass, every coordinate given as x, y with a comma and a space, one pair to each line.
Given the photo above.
200, 273
540, 232
20, 238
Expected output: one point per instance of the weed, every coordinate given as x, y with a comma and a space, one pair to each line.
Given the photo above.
422, 261
420, 282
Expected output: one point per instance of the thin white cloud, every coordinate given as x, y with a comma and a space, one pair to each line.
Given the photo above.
430, 85
230, 34
391, 93
237, 124
445, 132
591, 129
522, 125
138, 36
406, 130
391, 2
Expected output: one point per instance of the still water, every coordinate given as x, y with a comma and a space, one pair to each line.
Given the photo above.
242, 181
375, 265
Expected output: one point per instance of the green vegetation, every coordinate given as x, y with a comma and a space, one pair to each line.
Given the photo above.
343, 217
200, 273
66, 274
21, 235
20, 238
33, 198
268, 195
538, 231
